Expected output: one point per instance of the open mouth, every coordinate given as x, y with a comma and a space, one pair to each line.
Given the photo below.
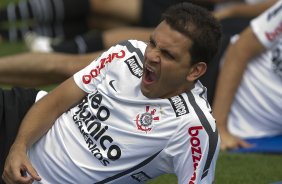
150, 76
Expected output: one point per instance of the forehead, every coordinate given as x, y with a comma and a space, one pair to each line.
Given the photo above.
168, 38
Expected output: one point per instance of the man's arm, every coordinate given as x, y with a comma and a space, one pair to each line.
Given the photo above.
237, 57
36, 123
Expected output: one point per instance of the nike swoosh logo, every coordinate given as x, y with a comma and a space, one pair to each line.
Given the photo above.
111, 84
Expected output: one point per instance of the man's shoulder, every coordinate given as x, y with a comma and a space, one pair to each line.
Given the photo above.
135, 43
132, 45
135, 47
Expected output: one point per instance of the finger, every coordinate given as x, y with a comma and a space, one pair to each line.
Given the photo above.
10, 175
32, 172
5, 178
223, 147
228, 147
245, 144
25, 175
25, 180
9, 179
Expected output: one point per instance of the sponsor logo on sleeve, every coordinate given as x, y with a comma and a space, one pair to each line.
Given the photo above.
86, 79
195, 149
179, 105
272, 35
278, 29
134, 67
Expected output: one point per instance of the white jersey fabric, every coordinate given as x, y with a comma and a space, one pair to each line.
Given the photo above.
117, 135
257, 107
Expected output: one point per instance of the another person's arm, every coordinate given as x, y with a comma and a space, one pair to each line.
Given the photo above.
236, 59
262, 34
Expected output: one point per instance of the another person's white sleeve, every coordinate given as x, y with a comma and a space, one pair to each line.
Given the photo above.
268, 26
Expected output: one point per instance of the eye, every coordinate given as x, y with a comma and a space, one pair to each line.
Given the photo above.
168, 55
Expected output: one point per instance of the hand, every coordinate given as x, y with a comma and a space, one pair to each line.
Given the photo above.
229, 141
18, 168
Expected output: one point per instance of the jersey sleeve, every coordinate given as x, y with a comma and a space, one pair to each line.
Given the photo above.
91, 76
268, 26
194, 151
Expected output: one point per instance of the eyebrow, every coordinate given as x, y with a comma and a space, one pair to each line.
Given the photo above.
161, 49
151, 39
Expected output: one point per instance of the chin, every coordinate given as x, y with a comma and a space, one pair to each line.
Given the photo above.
147, 93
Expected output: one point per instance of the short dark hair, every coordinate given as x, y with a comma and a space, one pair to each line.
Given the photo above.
197, 24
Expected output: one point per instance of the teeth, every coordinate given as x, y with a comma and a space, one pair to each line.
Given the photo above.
150, 70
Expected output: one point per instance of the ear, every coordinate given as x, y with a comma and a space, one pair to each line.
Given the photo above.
196, 71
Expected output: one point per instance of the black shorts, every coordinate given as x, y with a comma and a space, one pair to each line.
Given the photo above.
152, 10
14, 104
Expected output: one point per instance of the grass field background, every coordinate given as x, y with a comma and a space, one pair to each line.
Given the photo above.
231, 168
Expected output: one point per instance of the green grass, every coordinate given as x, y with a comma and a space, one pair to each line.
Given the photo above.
241, 169
248, 168
231, 168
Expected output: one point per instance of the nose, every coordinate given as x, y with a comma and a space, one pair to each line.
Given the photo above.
153, 55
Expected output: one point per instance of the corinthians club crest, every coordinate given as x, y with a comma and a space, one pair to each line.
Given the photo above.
144, 121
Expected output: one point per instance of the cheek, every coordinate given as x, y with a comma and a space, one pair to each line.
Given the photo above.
175, 74
169, 74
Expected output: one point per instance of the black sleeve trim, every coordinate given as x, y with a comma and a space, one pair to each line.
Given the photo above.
133, 49
213, 135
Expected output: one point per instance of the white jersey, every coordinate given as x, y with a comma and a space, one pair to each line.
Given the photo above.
257, 108
117, 135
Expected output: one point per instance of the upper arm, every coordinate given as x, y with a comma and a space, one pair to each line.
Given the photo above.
263, 33
246, 47
64, 96
44, 112
194, 151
